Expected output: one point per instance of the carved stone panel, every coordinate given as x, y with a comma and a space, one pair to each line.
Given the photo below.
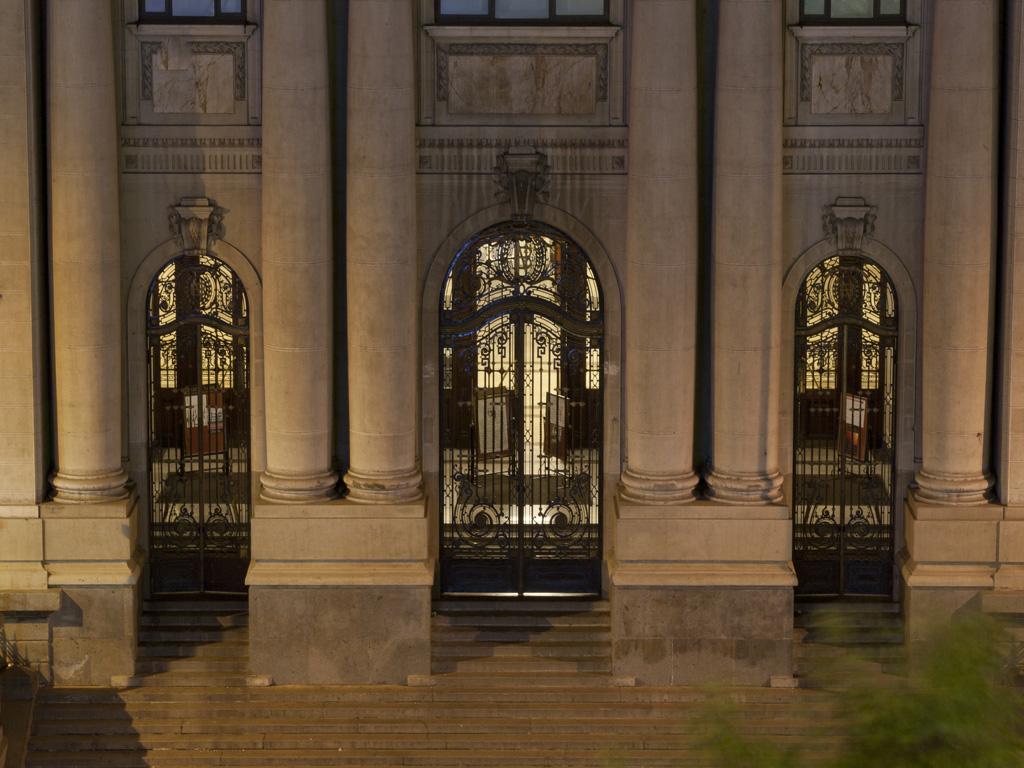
193, 77
851, 84
522, 79
542, 84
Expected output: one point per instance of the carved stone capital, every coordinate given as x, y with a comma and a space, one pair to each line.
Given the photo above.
523, 176
847, 222
196, 223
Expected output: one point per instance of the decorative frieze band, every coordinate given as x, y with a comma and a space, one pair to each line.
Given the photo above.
190, 155
853, 155
563, 155
598, 51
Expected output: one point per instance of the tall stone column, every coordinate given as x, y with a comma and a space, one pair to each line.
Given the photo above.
747, 253
661, 254
958, 238
86, 252
297, 253
702, 591
90, 528
383, 301
952, 534
365, 557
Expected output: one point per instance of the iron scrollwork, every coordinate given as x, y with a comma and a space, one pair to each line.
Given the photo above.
844, 428
521, 324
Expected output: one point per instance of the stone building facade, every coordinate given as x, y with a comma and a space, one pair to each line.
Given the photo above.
696, 306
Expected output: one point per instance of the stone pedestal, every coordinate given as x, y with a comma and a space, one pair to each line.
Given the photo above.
340, 593
702, 593
90, 554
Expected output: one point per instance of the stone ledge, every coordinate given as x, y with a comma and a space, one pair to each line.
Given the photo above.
341, 574
29, 600
948, 575
339, 509
701, 510
92, 573
636, 574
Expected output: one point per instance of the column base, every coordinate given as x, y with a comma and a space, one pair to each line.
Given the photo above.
644, 488
345, 588
744, 488
70, 488
298, 489
953, 490
384, 488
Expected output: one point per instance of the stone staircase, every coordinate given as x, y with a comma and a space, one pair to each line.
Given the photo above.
867, 634
536, 643
191, 643
389, 726
512, 685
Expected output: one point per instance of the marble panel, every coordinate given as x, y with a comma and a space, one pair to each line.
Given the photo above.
851, 84
514, 84
190, 82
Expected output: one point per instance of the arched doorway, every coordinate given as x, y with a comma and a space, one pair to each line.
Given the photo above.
521, 343
844, 429
197, 355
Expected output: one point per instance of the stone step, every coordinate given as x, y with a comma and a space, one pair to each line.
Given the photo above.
535, 606
193, 619
856, 637
196, 666
355, 695
226, 605
845, 620
443, 650
847, 606
524, 620
219, 649
181, 680
579, 634
516, 679
528, 665
178, 635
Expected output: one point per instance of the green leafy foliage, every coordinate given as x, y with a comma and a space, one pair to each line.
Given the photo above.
957, 708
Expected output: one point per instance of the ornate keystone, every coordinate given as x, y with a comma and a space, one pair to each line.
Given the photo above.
196, 223
847, 222
523, 175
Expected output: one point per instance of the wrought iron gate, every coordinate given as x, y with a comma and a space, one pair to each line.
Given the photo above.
521, 416
844, 429
199, 469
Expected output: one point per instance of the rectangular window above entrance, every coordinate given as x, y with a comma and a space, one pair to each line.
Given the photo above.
192, 10
521, 11
852, 11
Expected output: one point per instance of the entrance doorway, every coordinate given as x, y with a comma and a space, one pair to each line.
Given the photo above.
844, 429
521, 335
197, 334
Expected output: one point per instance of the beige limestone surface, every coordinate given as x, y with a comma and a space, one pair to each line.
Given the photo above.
297, 254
